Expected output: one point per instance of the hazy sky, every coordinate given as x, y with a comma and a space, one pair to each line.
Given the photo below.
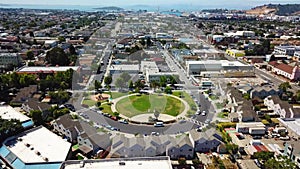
148, 2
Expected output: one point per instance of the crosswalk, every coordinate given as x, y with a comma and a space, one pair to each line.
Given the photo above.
195, 122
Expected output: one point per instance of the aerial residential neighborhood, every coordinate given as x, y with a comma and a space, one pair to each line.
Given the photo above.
113, 87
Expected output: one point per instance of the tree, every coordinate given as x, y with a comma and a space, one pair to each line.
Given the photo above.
60, 112
57, 56
163, 81
107, 80
139, 84
97, 85
168, 90
284, 86
156, 114
9, 128
125, 76
98, 104
281, 162
130, 86
61, 39
120, 83
30, 55
72, 50
232, 148
263, 155
37, 117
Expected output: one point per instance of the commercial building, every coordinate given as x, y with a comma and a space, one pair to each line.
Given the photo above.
130, 69
9, 59
35, 148
292, 150
124, 163
8, 112
253, 128
235, 53
152, 73
216, 66
45, 69
286, 50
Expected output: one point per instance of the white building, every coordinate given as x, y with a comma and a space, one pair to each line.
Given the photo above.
7, 59
218, 66
37, 147
282, 108
251, 128
130, 69
8, 112
124, 163
286, 50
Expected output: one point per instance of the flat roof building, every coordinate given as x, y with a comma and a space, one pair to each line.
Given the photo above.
46, 70
198, 67
8, 112
124, 163
131, 69
37, 147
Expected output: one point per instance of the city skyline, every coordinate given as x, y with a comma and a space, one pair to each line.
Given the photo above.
205, 3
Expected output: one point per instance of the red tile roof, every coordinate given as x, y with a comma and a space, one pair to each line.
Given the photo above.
286, 68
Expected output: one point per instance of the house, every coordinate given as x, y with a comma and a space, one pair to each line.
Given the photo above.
181, 146
68, 127
89, 140
282, 108
34, 104
205, 142
292, 150
123, 146
24, 94
264, 91
290, 72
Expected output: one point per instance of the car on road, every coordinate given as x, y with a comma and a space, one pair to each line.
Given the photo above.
198, 112
159, 124
207, 121
203, 113
123, 121
155, 133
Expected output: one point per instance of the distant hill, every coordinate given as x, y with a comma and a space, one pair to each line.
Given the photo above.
278, 9
110, 8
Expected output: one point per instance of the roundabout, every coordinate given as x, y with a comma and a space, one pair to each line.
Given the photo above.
144, 107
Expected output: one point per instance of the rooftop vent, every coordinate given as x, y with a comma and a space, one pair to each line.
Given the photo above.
121, 163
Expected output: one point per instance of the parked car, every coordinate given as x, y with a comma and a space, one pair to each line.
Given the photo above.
159, 124
123, 121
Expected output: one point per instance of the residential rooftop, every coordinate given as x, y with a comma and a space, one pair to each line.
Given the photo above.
8, 112
125, 163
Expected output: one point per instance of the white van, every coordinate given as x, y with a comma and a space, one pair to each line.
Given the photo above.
159, 124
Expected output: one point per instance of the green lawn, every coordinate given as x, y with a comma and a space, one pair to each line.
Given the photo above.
107, 109
89, 102
135, 105
116, 94
219, 105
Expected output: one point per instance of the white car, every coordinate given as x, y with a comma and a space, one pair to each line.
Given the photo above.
203, 113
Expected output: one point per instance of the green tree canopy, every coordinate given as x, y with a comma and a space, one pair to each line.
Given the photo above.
57, 56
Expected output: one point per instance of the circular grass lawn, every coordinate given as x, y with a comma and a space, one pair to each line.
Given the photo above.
141, 104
